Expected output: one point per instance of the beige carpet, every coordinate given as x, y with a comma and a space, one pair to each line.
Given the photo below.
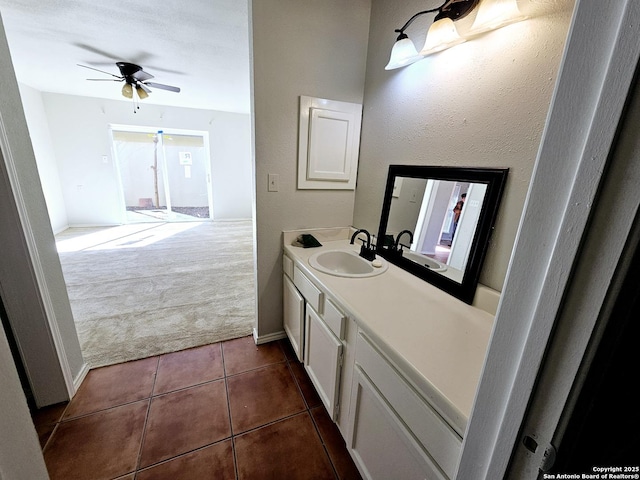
146, 289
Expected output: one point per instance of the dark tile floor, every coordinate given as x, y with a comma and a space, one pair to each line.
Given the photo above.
230, 410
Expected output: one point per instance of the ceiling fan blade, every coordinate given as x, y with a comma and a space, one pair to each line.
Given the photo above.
101, 71
141, 75
97, 51
105, 79
143, 87
162, 87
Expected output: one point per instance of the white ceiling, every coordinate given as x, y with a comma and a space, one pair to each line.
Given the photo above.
201, 46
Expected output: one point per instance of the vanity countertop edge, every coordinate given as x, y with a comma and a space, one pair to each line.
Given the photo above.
441, 351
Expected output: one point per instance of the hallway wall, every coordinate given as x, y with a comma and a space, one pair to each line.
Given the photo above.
300, 47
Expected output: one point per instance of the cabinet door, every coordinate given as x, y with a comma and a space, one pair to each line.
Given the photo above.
322, 360
293, 320
379, 442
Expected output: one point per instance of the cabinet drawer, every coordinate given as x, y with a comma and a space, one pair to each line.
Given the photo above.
309, 291
436, 436
287, 266
334, 319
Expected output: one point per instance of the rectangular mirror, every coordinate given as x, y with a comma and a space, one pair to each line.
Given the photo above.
436, 223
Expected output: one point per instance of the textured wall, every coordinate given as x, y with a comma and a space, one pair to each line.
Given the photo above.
300, 47
483, 103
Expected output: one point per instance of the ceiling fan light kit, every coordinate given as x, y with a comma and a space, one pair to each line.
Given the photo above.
136, 80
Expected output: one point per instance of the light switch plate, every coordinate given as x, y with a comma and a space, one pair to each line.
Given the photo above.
274, 182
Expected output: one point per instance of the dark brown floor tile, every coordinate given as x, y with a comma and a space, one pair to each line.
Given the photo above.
333, 441
262, 396
304, 382
285, 344
242, 354
127, 477
214, 462
118, 384
50, 414
288, 449
44, 432
189, 367
45, 420
185, 420
103, 445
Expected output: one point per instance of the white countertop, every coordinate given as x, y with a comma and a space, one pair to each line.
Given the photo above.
438, 341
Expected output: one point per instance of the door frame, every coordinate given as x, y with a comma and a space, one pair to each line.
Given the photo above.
580, 132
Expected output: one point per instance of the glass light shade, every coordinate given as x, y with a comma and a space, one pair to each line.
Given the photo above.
127, 90
141, 93
441, 35
403, 53
493, 14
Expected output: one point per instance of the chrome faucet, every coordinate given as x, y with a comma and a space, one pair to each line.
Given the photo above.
366, 251
397, 243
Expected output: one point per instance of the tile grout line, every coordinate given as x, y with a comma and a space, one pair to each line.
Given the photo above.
324, 446
232, 438
57, 424
313, 420
146, 420
112, 407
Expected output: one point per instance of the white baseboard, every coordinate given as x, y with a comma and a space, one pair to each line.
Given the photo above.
80, 377
60, 229
272, 337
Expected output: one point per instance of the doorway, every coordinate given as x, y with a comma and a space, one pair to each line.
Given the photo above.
445, 230
164, 175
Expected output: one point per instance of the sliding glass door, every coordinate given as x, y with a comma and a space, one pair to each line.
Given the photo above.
164, 174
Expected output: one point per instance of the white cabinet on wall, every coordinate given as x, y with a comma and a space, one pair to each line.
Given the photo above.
329, 142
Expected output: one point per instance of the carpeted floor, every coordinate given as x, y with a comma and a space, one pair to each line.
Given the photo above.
145, 289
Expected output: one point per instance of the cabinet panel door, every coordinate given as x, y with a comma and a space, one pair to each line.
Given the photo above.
379, 442
322, 360
293, 320
442, 443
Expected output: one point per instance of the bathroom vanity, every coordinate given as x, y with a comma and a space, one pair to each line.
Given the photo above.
395, 360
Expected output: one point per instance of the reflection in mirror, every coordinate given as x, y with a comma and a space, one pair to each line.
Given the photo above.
436, 223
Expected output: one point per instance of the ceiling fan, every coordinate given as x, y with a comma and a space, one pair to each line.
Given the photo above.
135, 78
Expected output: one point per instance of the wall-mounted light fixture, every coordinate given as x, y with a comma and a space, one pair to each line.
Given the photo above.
493, 14
442, 34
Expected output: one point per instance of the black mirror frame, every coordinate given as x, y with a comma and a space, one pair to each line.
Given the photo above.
494, 178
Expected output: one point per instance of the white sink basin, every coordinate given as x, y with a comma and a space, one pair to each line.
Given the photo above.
430, 263
346, 263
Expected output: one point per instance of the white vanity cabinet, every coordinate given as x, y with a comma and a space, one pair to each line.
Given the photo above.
293, 309
393, 432
323, 354
371, 374
315, 327
293, 316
